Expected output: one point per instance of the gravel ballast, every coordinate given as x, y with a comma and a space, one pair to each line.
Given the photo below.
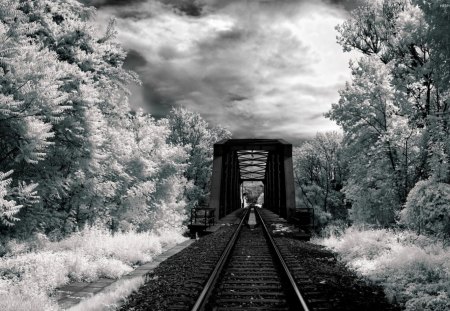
334, 281
176, 283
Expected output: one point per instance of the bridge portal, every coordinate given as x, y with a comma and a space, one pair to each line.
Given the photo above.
239, 160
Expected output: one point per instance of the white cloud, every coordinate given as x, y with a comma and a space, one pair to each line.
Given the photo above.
264, 69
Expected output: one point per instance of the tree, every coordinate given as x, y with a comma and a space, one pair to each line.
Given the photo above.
320, 171
253, 190
190, 130
371, 28
378, 142
394, 113
30, 98
158, 168
72, 81
73, 152
66, 131
437, 14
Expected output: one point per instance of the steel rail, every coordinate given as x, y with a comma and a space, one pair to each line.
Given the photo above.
299, 300
206, 292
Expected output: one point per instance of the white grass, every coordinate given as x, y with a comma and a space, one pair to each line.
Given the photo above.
111, 299
30, 272
414, 270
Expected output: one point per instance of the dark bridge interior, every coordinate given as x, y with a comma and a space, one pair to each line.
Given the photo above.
239, 160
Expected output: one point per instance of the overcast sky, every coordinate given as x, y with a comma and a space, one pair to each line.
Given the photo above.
267, 68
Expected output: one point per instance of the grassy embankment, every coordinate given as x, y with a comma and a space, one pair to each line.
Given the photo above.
413, 269
30, 272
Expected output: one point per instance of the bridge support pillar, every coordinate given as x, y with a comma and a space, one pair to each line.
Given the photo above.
288, 181
217, 181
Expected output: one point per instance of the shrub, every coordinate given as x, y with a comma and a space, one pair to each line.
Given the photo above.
111, 299
427, 208
413, 269
20, 296
28, 275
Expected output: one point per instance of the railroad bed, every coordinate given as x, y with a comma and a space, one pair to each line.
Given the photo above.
251, 274
252, 278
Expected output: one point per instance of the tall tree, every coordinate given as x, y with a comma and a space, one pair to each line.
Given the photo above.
394, 113
190, 130
66, 131
320, 171
387, 110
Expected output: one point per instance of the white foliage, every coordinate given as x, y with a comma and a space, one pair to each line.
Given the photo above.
64, 107
8, 207
320, 171
190, 131
35, 140
413, 269
392, 112
29, 277
427, 208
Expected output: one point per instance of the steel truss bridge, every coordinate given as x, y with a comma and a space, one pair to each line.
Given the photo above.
240, 160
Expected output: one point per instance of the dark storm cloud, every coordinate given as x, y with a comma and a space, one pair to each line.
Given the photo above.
134, 60
230, 35
261, 68
346, 4
315, 116
100, 3
236, 97
197, 7
188, 7
160, 103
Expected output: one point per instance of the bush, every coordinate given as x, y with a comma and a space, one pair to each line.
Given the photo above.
413, 269
29, 275
427, 208
112, 298
131, 248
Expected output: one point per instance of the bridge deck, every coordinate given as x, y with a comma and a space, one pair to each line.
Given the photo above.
231, 219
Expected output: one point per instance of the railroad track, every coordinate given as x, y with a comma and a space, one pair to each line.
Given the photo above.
251, 274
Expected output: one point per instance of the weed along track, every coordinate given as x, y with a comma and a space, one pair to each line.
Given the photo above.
251, 275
